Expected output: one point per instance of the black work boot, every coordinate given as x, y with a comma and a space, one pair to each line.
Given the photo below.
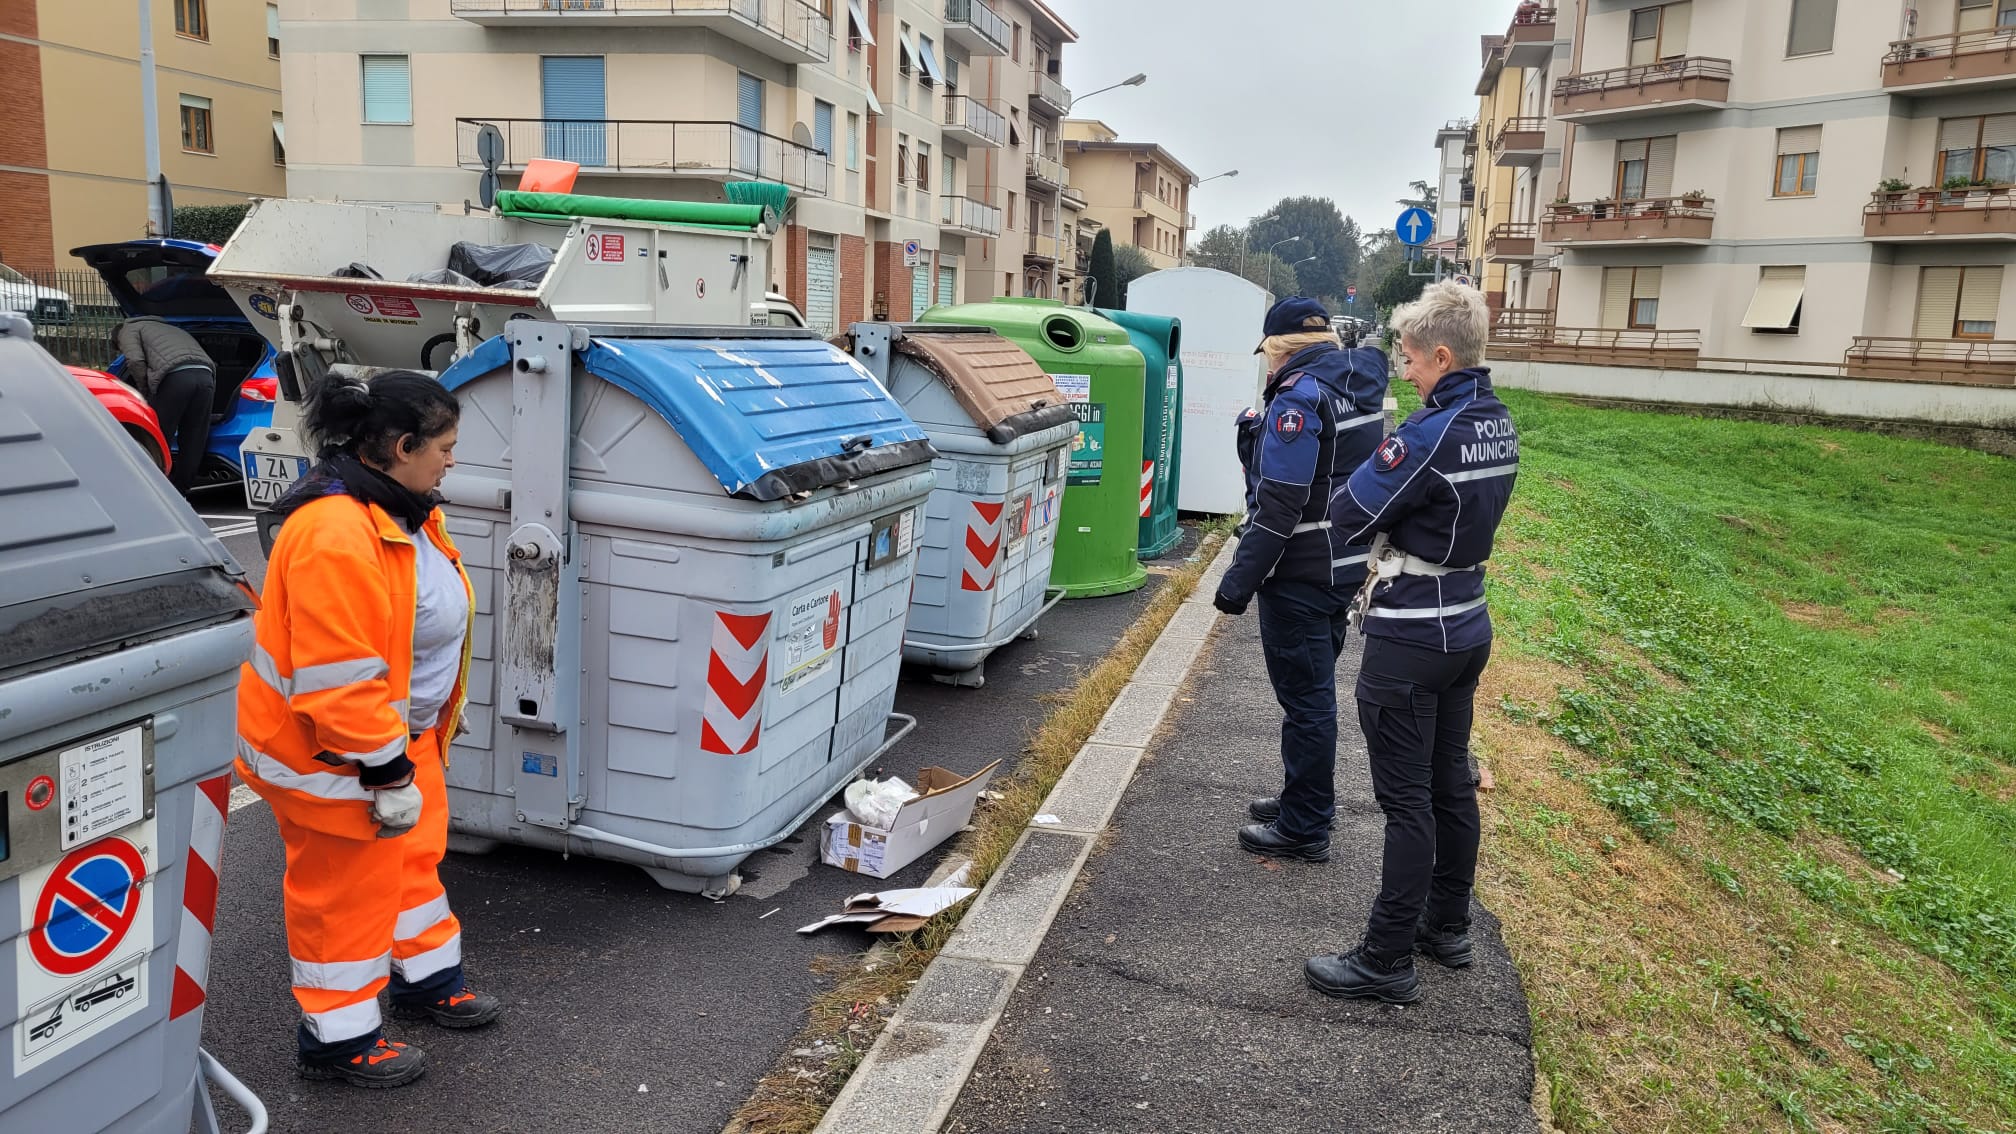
1359, 975
1448, 944
1264, 838
386, 1064
466, 1009
1265, 810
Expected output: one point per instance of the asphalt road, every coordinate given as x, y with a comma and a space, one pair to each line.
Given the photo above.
1168, 996
629, 1007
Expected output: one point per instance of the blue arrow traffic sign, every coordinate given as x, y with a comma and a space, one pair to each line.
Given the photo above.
1415, 226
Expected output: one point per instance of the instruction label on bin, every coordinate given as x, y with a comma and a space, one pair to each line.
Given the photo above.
1088, 449
810, 636
1074, 387
100, 786
81, 965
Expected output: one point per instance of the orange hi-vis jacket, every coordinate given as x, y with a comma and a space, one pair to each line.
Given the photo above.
327, 687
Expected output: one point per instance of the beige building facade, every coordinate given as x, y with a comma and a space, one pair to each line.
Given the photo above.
73, 163
1797, 183
902, 126
1137, 190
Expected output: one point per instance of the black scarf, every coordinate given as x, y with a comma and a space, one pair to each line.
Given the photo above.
342, 474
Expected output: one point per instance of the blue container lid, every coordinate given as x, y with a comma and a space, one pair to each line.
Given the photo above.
768, 417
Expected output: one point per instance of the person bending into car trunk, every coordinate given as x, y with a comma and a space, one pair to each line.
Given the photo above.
179, 380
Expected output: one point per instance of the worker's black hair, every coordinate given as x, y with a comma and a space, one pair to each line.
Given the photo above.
366, 419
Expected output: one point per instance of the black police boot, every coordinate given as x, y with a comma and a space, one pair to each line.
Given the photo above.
1448, 944
1264, 838
1359, 975
385, 1064
465, 1009
1265, 810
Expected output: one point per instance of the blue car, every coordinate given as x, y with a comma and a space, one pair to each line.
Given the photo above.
164, 278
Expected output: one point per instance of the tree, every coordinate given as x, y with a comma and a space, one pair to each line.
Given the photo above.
1130, 263
1105, 273
209, 224
1424, 196
1326, 234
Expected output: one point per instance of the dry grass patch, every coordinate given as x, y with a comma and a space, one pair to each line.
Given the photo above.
844, 1022
1672, 993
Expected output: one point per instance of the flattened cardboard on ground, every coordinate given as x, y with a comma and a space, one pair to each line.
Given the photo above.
945, 805
898, 911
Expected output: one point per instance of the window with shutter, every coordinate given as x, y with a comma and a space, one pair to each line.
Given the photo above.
1980, 300
1798, 173
1812, 29
1645, 298
1631, 157
573, 102
196, 132
1616, 298
853, 141
273, 30
1775, 308
1938, 303
822, 128
924, 165
1659, 168
1998, 146
1976, 16
1644, 36
388, 90
1675, 22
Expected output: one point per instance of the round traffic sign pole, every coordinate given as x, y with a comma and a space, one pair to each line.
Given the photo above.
89, 902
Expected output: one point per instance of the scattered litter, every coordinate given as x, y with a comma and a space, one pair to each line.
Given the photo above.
876, 802
642, 1089
993, 796
779, 909
922, 822
895, 911
1047, 821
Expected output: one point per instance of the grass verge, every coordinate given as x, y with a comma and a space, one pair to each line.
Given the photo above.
1754, 843
869, 986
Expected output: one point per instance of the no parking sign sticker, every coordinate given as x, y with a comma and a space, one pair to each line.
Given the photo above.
82, 962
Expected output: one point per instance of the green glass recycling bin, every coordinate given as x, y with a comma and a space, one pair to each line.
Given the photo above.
1101, 373
1160, 341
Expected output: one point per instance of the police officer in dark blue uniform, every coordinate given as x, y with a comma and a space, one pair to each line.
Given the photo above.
1322, 418
1429, 501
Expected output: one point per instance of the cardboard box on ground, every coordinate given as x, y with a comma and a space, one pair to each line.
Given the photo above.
944, 805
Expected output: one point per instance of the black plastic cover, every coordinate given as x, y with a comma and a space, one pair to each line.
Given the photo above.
495, 265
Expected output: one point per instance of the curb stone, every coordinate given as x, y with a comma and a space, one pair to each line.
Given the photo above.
913, 1074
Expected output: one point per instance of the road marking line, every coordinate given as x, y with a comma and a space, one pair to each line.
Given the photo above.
243, 797
242, 529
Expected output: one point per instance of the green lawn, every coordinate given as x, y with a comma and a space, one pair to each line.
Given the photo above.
1756, 692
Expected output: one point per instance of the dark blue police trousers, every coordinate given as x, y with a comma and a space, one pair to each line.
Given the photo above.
1302, 627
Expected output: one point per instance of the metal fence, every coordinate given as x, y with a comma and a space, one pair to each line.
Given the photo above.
74, 315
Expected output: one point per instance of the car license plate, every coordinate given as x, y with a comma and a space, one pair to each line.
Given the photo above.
267, 478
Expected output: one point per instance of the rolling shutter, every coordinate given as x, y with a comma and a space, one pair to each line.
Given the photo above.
1645, 283
822, 128
1959, 133
1799, 140
948, 283
1635, 149
1981, 295
822, 286
749, 101
1659, 167
388, 90
1779, 292
1938, 299
1976, 15
571, 100
1616, 298
1676, 21
920, 287
1812, 29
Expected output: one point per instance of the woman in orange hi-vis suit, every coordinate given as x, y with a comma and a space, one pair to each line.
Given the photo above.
354, 691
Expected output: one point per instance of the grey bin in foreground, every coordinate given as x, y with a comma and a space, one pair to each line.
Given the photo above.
692, 551
1003, 433
123, 622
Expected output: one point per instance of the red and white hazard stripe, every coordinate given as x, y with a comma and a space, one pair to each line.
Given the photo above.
983, 546
1147, 487
738, 668
199, 894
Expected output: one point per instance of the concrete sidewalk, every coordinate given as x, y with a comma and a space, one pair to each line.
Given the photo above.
1167, 995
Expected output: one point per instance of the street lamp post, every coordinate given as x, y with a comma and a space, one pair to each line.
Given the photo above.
1216, 176
1136, 81
1270, 251
1245, 235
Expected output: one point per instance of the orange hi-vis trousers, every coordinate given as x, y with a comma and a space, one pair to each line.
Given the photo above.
360, 910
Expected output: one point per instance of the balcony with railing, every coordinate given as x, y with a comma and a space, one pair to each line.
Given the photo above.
1515, 325
1681, 83
1046, 172
1529, 42
976, 27
973, 122
1158, 208
1648, 221
966, 215
1597, 346
1968, 362
1956, 61
1512, 241
715, 151
1048, 95
793, 31
1519, 142
1045, 247
1072, 197
1980, 212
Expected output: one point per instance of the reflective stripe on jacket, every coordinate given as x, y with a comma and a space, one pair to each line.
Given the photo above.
326, 689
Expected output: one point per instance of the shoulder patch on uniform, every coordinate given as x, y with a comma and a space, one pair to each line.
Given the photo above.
1288, 424
1391, 454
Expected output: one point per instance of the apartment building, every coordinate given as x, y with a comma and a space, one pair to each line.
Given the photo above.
1825, 182
1138, 190
73, 156
1517, 147
902, 126
1452, 169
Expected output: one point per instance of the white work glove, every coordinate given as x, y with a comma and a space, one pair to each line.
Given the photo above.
397, 809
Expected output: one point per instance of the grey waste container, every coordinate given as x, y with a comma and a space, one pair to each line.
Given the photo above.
692, 551
123, 622
1003, 434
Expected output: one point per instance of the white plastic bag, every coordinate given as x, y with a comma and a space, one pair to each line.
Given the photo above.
875, 802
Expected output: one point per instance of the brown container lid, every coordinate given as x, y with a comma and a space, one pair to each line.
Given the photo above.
992, 379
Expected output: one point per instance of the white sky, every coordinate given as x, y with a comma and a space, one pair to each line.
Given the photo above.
1326, 98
